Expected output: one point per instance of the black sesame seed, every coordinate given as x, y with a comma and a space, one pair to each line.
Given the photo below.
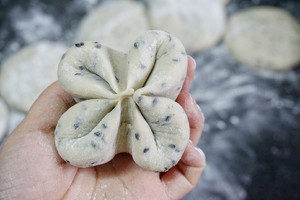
178, 88
93, 162
76, 125
169, 37
67, 161
140, 99
168, 118
98, 46
173, 162
104, 126
77, 74
79, 44
98, 133
175, 60
172, 146
166, 168
177, 150
117, 79
146, 150
93, 144
136, 45
154, 102
137, 136
81, 67
142, 66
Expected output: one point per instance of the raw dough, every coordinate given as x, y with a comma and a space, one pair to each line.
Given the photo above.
4, 115
115, 24
199, 24
126, 103
28, 72
264, 37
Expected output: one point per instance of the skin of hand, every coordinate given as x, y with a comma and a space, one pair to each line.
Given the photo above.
30, 167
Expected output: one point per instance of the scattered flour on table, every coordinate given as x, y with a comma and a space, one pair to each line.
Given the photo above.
34, 24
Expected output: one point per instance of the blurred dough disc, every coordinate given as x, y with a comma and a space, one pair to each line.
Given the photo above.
28, 72
115, 24
264, 37
199, 24
4, 115
15, 117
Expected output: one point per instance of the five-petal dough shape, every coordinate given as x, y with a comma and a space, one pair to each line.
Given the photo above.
126, 103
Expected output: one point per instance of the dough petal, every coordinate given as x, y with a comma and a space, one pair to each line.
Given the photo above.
86, 134
157, 65
160, 133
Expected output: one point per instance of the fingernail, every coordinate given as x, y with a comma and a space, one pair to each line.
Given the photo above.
202, 155
194, 64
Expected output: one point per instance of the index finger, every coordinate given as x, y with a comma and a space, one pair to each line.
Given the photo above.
188, 103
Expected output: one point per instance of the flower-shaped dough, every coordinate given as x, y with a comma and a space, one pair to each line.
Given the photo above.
125, 103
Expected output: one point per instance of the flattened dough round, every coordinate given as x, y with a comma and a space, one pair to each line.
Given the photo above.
4, 116
115, 24
264, 37
28, 72
199, 24
126, 103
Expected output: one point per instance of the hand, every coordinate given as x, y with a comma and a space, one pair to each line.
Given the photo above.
30, 167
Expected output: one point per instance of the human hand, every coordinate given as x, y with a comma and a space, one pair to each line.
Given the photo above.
30, 167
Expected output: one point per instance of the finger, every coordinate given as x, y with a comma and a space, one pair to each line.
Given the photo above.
187, 102
47, 109
194, 114
181, 179
189, 75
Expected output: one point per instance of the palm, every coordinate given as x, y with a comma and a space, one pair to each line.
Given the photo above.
51, 178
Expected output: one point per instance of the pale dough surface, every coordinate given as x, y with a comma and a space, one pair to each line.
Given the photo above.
199, 24
115, 24
264, 37
126, 103
25, 74
4, 116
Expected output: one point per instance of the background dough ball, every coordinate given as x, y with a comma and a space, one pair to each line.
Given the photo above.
199, 24
115, 24
4, 115
264, 37
28, 72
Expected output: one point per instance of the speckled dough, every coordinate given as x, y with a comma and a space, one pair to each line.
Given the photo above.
264, 37
28, 72
199, 24
115, 24
4, 116
126, 103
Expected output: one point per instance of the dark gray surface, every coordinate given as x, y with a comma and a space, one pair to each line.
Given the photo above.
251, 134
